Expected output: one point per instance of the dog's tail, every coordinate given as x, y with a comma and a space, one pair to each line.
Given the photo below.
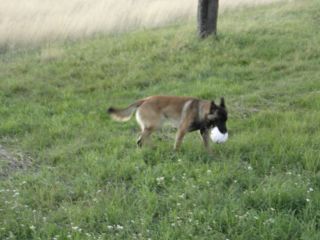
123, 115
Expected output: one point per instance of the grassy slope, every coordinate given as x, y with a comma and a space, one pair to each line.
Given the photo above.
88, 176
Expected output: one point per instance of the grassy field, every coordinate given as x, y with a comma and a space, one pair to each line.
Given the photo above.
79, 175
32, 22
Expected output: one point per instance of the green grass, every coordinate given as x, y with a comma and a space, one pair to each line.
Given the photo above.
88, 180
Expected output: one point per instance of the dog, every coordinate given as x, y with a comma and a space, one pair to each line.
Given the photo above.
187, 114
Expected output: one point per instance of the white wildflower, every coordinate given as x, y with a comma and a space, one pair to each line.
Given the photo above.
76, 228
182, 195
160, 180
119, 227
268, 221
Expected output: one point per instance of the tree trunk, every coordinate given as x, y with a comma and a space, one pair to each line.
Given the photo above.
207, 17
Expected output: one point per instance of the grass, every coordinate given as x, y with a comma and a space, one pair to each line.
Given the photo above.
88, 180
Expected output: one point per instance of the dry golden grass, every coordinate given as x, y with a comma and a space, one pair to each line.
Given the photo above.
33, 21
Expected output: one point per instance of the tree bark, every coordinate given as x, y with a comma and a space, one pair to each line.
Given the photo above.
207, 17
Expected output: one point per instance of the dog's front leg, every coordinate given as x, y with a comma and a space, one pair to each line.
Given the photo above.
179, 138
205, 134
189, 113
182, 130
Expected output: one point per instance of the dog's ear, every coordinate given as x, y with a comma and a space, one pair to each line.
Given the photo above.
222, 103
213, 106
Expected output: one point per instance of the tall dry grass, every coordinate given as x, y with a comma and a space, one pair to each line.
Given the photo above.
34, 21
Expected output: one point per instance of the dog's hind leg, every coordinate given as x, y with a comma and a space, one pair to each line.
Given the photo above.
145, 134
148, 121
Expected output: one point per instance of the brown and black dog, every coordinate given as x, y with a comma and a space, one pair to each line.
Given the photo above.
185, 113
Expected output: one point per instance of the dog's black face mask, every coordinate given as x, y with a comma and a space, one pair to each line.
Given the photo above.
218, 116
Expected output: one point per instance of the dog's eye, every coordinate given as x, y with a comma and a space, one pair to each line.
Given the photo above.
213, 116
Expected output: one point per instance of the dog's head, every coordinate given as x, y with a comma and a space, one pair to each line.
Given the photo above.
218, 116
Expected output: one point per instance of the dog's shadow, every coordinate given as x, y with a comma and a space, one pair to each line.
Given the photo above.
157, 154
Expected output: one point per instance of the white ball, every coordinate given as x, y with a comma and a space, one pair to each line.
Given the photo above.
217, 136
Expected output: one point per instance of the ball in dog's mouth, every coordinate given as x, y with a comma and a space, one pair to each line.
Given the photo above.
217, 136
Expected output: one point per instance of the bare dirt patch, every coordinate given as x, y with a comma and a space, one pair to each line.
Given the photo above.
12, 161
